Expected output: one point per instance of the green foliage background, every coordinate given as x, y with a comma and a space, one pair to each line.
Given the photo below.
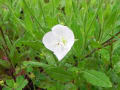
92, 63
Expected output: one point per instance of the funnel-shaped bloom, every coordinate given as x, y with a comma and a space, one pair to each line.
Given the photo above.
59, 40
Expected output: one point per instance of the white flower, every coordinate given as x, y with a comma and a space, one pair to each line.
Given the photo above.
59, 40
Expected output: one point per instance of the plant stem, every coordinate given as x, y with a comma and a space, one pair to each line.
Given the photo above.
8, 56
12, 66
6, 50
3, 36
104, 44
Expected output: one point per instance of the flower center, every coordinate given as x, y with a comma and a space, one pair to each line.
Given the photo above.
62, 42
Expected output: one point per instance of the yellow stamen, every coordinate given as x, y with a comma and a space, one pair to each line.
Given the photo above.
64, 41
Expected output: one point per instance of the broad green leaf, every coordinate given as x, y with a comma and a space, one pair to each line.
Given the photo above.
70, 86
6, 88
37, 45
21, 82
58, 73
97, 78
57, 86
35, 64
10, 83
41, 79
50, 59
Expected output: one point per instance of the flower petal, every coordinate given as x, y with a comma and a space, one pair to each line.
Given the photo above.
64, 32
61, 52
49, 40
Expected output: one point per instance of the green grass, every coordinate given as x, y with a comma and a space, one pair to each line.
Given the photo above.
23, 24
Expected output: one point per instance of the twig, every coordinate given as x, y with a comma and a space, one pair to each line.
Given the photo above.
111, 38
104, 44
